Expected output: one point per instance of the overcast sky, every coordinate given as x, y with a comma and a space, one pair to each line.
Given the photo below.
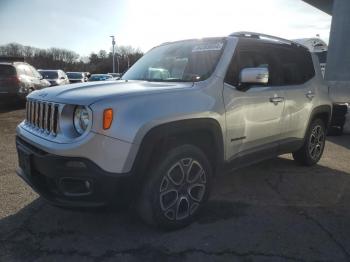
85, 25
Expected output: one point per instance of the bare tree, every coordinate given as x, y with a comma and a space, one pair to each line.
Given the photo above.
59, 58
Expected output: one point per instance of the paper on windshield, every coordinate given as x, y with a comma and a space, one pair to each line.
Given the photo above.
208, 47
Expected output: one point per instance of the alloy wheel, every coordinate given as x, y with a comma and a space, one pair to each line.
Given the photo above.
316, 142
182, 189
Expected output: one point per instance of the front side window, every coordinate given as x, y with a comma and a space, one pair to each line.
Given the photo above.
185, 61
249, 57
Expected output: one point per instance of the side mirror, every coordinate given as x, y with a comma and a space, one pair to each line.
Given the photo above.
253, 75
62, 78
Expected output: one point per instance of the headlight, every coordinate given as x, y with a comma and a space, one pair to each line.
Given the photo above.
81, 119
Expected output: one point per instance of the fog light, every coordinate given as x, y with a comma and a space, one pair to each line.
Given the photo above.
75, 186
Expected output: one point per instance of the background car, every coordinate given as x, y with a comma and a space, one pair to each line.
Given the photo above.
100, 77
55, 77
76, 77
18, 79
116, 76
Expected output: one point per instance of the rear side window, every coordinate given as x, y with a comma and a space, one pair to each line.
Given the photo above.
7, 70
287, 65
295, 65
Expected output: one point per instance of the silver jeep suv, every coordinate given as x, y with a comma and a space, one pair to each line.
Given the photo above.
183, 113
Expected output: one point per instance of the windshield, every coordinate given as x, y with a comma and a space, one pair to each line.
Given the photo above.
74, 75
49, 74
185, 61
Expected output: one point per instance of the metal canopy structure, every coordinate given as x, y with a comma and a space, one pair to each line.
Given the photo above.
324, 5
338, 58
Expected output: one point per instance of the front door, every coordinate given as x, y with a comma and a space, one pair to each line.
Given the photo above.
253, 116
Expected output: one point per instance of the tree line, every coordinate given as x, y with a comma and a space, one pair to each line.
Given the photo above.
67, 60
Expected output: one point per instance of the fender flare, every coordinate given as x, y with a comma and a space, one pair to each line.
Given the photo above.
180, 127
321, 110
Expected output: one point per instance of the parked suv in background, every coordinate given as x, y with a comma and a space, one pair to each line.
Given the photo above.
55, 77
76, 77
182, 114
18, 79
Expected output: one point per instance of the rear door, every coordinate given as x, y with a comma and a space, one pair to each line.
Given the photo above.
253, 116
297, 70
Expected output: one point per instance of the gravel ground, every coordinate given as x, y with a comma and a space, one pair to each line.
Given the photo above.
272, 211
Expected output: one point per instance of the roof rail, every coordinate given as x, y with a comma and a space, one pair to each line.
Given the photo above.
261, 36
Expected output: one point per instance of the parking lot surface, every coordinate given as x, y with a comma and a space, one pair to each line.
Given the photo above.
272, 211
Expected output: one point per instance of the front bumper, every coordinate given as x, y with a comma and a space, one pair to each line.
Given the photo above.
110, 154
71, 181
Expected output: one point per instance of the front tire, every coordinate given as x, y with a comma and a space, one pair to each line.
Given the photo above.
177, 188
314, 143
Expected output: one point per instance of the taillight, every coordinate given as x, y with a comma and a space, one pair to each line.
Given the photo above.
13, 80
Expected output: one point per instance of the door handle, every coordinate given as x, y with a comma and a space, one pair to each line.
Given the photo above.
310, 95
276, 99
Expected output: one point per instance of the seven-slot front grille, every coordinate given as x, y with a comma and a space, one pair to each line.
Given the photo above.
42, 115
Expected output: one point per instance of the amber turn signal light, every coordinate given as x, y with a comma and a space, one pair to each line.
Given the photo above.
107, 118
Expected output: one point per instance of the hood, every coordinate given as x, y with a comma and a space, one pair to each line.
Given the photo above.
90, 92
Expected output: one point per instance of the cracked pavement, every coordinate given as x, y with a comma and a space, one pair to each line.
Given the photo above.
272, 211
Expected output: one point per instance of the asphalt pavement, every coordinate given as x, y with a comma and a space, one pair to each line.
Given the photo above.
273, 211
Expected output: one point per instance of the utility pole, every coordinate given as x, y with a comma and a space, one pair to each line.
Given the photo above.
118, 62
113, 44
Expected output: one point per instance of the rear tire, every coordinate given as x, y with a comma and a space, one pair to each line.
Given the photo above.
314, 142
177, 188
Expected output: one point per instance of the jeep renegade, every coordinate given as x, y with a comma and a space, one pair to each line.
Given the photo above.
183, 113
